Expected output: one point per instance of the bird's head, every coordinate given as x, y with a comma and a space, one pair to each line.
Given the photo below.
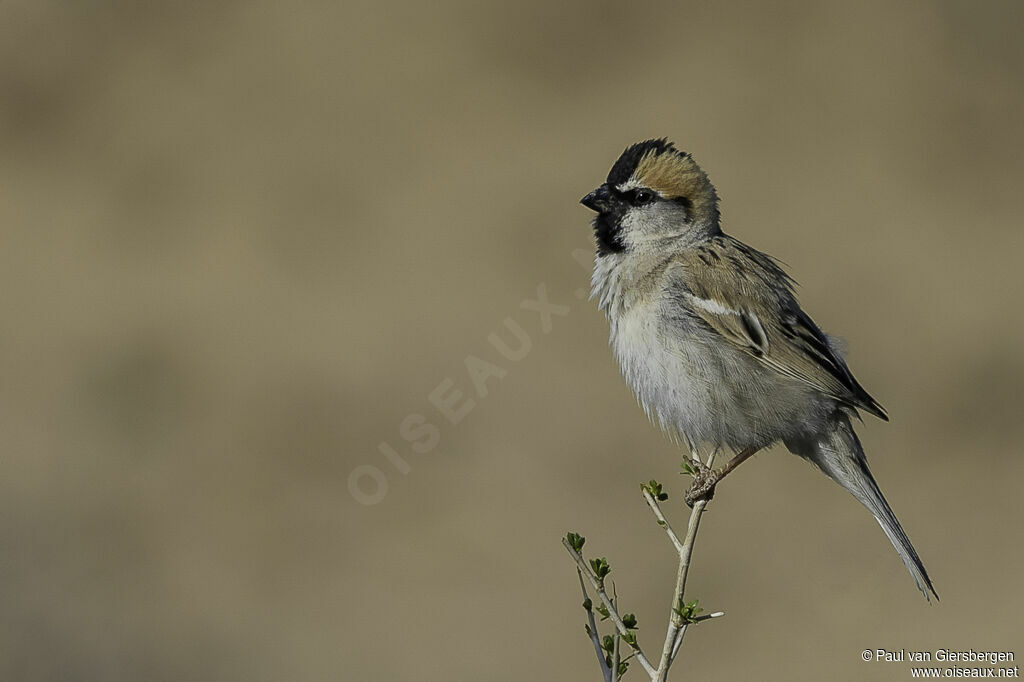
653, 192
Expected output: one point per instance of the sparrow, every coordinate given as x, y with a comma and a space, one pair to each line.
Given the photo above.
708, 333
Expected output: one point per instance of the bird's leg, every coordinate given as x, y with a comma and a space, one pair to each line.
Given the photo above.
706, 479
739, 459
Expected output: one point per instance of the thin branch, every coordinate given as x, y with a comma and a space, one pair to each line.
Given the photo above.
616, 659
682, 631
662, 521
607, 602
594, 636
681, 616
676, 626
675, 623
676, 644
618, 639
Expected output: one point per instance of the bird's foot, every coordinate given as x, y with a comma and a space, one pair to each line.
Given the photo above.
704, 482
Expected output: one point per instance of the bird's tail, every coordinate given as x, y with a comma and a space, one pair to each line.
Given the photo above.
839, 454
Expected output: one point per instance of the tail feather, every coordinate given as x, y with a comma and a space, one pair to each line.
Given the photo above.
839, 454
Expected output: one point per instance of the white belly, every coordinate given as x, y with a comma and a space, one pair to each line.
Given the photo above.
670, 376
695, 386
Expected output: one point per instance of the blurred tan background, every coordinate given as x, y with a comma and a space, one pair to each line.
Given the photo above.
244, 242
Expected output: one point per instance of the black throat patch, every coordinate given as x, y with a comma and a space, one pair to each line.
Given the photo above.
608, 231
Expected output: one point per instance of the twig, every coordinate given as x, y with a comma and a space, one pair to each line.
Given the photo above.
594, 636
616, 659
681, 616
679, 641
682, 630
612, 613
663, 522
618, 640
676, 625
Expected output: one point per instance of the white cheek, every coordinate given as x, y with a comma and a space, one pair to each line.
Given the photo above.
631, 226
642, 223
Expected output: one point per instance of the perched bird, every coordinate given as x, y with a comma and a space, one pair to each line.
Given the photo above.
708, 333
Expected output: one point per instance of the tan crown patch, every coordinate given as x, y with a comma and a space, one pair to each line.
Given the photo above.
676, 175
671, 174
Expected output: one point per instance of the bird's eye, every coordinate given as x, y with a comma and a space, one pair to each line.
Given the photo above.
643, 196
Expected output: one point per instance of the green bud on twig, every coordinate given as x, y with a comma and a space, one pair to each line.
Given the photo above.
600, 567
688, 611
608, 643
655, 489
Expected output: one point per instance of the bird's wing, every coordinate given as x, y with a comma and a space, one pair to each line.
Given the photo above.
744, 296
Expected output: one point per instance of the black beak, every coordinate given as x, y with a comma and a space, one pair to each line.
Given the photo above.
598, 200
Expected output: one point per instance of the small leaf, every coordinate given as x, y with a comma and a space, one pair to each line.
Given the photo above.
603, 610
654, 489
629, 638
600, 567
587, 604
576, 541
623, 667
688, 611
629, 620
608, 643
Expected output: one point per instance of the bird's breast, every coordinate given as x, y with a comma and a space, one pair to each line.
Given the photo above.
666, 368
